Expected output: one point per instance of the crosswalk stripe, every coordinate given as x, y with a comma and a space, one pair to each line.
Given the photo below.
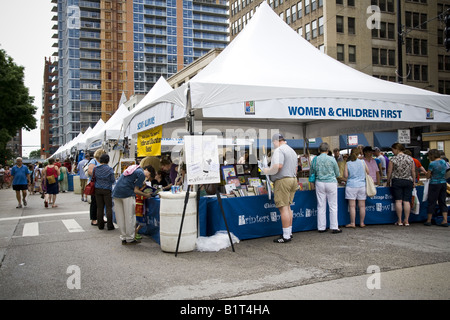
46, 215
72, 225
30, 229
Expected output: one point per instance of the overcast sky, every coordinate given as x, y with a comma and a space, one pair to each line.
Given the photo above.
26, 36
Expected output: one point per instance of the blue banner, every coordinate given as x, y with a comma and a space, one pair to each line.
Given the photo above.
257, 216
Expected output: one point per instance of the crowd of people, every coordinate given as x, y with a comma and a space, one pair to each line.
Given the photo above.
46, 179
327, 172
400, 173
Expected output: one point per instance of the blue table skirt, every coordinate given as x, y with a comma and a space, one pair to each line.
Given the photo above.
257, 216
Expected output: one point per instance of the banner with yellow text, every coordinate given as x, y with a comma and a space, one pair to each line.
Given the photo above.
149, 142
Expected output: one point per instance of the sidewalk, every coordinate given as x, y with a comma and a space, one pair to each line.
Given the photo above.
412, 262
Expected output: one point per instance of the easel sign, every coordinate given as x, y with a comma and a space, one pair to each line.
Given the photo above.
202, 167
202, 160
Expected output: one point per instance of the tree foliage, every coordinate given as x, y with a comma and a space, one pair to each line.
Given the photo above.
16, 105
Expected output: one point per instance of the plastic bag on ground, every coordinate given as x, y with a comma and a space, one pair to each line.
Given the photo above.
216, 242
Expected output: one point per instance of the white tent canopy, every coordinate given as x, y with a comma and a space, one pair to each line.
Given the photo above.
112, 130
269, 72
82, 145
144, 117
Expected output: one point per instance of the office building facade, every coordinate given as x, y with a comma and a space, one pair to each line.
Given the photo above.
363, 34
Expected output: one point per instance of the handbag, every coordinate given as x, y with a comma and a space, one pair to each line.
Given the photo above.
89, 190
312, 177
371, 190
50, 178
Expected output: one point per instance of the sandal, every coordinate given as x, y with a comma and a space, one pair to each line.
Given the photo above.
398, 224
54, 206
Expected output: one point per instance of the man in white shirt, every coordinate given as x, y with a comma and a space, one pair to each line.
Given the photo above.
283, 171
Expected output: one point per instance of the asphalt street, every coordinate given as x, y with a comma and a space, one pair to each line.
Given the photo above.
55, 254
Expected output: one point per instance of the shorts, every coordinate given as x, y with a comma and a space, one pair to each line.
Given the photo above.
19, 187
402, 189
355, 193
83, 183
284, 190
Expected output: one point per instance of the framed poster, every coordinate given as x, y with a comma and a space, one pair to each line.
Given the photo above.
202, 159
240, 169
228, 172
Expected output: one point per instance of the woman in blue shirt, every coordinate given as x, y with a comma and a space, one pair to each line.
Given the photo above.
355, 172
437, 189
104, 179
124, 195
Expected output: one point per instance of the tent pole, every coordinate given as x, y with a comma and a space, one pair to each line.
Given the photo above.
305, 141
399, 44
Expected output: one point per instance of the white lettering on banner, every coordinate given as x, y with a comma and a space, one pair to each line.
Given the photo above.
340, 112
274, 216
146, 123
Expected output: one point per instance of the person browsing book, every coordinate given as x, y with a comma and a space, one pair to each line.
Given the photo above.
283, 173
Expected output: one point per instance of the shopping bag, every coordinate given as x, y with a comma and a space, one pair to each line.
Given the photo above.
371, 190
425, 190
415, 203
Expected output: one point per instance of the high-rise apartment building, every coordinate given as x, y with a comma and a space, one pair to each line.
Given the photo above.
49, 119
110, 47
363, 34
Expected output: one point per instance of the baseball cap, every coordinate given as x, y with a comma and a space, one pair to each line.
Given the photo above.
277, 136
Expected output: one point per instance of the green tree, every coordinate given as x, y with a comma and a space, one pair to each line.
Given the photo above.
16, 105
36, 154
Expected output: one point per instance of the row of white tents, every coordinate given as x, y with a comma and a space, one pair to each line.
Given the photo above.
269, 76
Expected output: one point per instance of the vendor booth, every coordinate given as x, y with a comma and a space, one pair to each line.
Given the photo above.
270, 79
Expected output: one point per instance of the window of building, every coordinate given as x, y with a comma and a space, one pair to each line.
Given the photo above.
307, 6
308, 31
288, 16
339, 24
375, 56
321, 31
340, 52
351, 53
314, 29
391, 57
351, 25
299, 9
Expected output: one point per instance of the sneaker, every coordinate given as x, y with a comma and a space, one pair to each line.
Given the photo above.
282, 240
131, 242
24, 202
